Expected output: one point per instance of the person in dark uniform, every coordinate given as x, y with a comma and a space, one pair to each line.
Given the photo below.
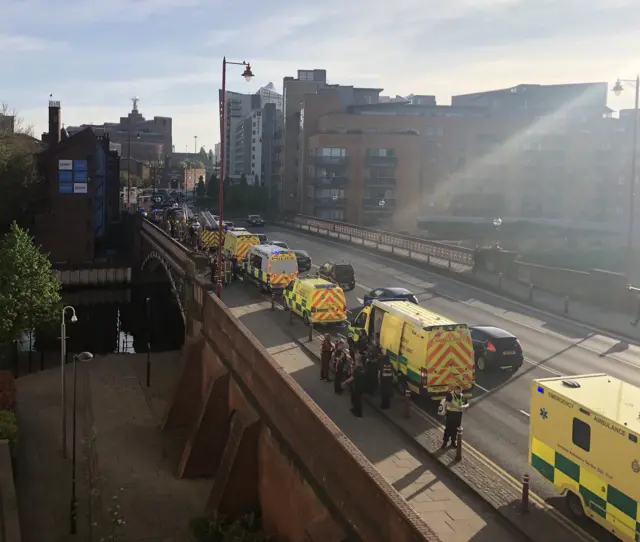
234, 267
192, 235
341, 367
214, 269
372, 368
455, 405
362, 345
386, 382
325, 358
358, 385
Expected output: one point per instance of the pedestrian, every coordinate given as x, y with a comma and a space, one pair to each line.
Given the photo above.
234, 267
192, 235
341, 366
372, 368
214, 270
352, 347
172, 228
325, 358
386, 382
455, 405
358, 384
363, 344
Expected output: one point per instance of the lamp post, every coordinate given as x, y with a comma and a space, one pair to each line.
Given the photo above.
195, 144
129, 168
382, 203
617, 90
63, 353
73, 505
247, 74
497, 222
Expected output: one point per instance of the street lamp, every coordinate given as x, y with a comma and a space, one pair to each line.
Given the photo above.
497, 222
73, 507
382, 203
195, 144
617, 90
63, 353
129, 168
247, 74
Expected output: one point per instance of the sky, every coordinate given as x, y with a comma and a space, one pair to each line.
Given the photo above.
94, 56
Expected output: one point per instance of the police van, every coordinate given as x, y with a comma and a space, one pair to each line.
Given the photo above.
583, 439
317, 301
432, 354
270, 267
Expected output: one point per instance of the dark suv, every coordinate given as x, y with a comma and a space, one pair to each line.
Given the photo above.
255, 220
495, 348
341, 274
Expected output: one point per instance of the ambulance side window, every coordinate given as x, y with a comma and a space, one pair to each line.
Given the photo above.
256, 261
581, 435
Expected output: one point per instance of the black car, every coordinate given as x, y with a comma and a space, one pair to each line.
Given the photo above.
341, 274
389, 294
304, 260
255, 220
495, 348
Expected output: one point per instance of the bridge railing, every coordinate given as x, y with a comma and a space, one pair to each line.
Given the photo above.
174, 249
385, 241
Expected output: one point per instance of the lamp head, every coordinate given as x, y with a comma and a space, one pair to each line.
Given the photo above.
247, 73
617, 88
74, 318
381, 203
84, 356
497, 222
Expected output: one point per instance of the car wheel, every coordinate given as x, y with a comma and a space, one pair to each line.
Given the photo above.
574, 505
481, 363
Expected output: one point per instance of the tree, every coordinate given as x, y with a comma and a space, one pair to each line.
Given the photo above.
200, 189
132, 180
29, 289
213, 187
20, 181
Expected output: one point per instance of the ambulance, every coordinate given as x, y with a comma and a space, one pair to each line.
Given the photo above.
583, 439
317, 301
238, 242
432, 354
270, 267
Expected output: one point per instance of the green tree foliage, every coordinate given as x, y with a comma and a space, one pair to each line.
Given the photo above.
200, 189
133, 179
213, 187
20, 182
29, 289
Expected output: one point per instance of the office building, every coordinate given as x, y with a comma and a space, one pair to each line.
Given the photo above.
81, 205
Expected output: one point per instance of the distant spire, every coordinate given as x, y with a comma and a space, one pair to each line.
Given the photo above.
135, 101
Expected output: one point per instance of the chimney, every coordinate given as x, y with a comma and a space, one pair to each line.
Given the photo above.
55, 123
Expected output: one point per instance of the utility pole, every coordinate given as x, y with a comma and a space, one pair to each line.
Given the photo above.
195, 144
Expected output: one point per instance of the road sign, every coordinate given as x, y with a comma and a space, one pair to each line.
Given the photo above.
65, 165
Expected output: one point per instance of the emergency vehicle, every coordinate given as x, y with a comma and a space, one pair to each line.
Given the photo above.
270, 267
238, 242
432, 354
317, 301
583, 438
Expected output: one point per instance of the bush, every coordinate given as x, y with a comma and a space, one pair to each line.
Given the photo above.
7, 390
9, 429
217, 529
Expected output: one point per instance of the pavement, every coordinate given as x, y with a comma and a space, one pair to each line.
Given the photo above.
497, 424
454, 512
127, 489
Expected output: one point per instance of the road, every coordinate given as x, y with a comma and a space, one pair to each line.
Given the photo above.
497, 422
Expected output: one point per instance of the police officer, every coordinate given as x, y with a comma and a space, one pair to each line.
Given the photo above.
358, 384
234, 267
374, 359
386, 382
455, 405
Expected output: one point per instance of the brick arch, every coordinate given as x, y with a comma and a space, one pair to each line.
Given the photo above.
154, 255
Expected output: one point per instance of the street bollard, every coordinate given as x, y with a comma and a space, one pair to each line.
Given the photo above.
310, 331
273, 301
566, 304
407, 403
500, 281
459, 444
530, 292
525, 494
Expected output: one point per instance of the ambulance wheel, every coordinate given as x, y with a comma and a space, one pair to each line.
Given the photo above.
481, 364
574, 505
305, 319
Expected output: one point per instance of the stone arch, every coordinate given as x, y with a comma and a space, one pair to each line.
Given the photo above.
154, 255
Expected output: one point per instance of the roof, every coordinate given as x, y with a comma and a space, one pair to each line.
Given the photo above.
602, 394
271, 249
495, 332
397, 291
419, 315
318, 282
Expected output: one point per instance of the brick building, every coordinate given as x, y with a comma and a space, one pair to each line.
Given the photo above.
81, 197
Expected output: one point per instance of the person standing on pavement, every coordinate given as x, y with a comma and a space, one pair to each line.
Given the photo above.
455, 405
358, 384
374, 359
325, 358
341, 367
192, 235
234, 267
386, 382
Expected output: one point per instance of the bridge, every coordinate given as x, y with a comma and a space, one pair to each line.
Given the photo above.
243, 421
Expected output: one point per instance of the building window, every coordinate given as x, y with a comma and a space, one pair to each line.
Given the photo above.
334, 152
383, 153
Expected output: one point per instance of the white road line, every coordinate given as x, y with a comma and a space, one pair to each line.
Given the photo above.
483, 389
361, 301
526, 413
543, 367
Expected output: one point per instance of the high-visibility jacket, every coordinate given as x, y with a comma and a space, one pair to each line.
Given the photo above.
457, 403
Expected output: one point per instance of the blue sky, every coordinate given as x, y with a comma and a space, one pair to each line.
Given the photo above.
94, 56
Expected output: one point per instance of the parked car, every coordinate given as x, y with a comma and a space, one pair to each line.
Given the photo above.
389, 294
341, 274
495, 348
280, 244
304, 260
255, 220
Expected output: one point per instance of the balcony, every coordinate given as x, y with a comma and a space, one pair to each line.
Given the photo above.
388, 161
339, 161
380, 181
372, 204
331, 182
328, 201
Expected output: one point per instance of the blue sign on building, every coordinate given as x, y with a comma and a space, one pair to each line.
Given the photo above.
65, 182
80, 165
81, 176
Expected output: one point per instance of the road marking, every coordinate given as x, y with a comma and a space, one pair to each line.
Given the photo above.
483, 389
539, 365
526, 413
361, 301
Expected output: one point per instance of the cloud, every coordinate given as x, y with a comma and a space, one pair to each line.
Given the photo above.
18, 43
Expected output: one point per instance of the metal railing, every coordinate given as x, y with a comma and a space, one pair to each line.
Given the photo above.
376, 238
176, 250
